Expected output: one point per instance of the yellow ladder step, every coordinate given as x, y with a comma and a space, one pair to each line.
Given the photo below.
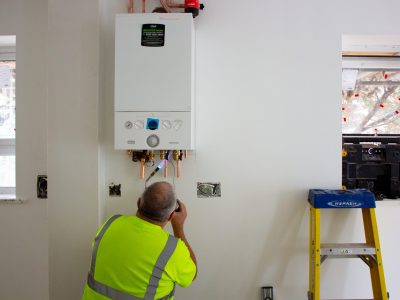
369, 251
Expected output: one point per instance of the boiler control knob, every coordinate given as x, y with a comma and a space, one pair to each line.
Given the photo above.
128, 124
139, 124
166, 124
177, 124
153, 140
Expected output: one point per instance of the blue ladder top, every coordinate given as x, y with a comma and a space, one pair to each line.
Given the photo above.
357, 198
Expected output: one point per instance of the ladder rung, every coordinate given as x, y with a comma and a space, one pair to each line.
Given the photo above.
368, 250
347, 250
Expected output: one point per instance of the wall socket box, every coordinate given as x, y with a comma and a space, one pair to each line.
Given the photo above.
114, 190
208, 189
41, 186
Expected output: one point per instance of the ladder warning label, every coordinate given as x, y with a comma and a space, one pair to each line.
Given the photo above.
153, 35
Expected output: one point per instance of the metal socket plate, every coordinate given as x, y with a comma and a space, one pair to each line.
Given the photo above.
208, 189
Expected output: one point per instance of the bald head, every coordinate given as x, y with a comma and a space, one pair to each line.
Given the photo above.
158, 201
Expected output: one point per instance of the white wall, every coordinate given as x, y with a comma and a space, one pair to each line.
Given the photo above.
268, 128
73, 37
23, 227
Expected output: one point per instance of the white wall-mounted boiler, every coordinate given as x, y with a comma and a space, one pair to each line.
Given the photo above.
154, 81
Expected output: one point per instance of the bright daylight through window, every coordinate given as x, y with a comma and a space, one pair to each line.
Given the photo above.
7, 116
371, 96
371, 114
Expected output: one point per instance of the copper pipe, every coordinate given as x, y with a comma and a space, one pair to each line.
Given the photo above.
165, 5
168, 4
186, 154
178, 168
175, 5
165, 168
142, 161
162, 157
175, 154
151, 156
130, 7
143, 6
162, 154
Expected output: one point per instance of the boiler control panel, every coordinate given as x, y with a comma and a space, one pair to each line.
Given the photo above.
152, 130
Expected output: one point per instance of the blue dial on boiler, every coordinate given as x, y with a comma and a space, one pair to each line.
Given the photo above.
152, 124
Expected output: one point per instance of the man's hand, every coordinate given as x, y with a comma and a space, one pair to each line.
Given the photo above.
179, 217
177, 222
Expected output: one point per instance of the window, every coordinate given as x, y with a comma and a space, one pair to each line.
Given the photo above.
7, 116
371, 96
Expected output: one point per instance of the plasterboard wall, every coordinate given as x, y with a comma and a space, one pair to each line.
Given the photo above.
73, 164
268, 83
268, 128
23, 227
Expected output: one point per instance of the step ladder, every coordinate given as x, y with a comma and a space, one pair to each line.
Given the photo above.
369, 252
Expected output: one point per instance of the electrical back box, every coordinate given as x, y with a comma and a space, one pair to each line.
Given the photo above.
154, 81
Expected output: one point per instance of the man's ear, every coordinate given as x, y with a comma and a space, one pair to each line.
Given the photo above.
171, 216
138, 202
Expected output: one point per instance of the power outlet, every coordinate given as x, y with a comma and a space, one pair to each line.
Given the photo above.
41, 186
114, 190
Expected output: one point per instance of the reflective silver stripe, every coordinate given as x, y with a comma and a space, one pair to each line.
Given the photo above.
160, 266
97, 240
154, 279
108, 291
115, 294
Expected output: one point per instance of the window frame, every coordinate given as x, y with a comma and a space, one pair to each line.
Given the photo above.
7, 146
371, 62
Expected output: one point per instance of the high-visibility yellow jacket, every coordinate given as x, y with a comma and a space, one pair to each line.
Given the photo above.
134, 259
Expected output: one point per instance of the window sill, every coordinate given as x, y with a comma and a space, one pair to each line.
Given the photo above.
10, 199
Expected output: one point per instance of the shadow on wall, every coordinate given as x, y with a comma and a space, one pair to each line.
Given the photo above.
281, 242
285, 254
287, 243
